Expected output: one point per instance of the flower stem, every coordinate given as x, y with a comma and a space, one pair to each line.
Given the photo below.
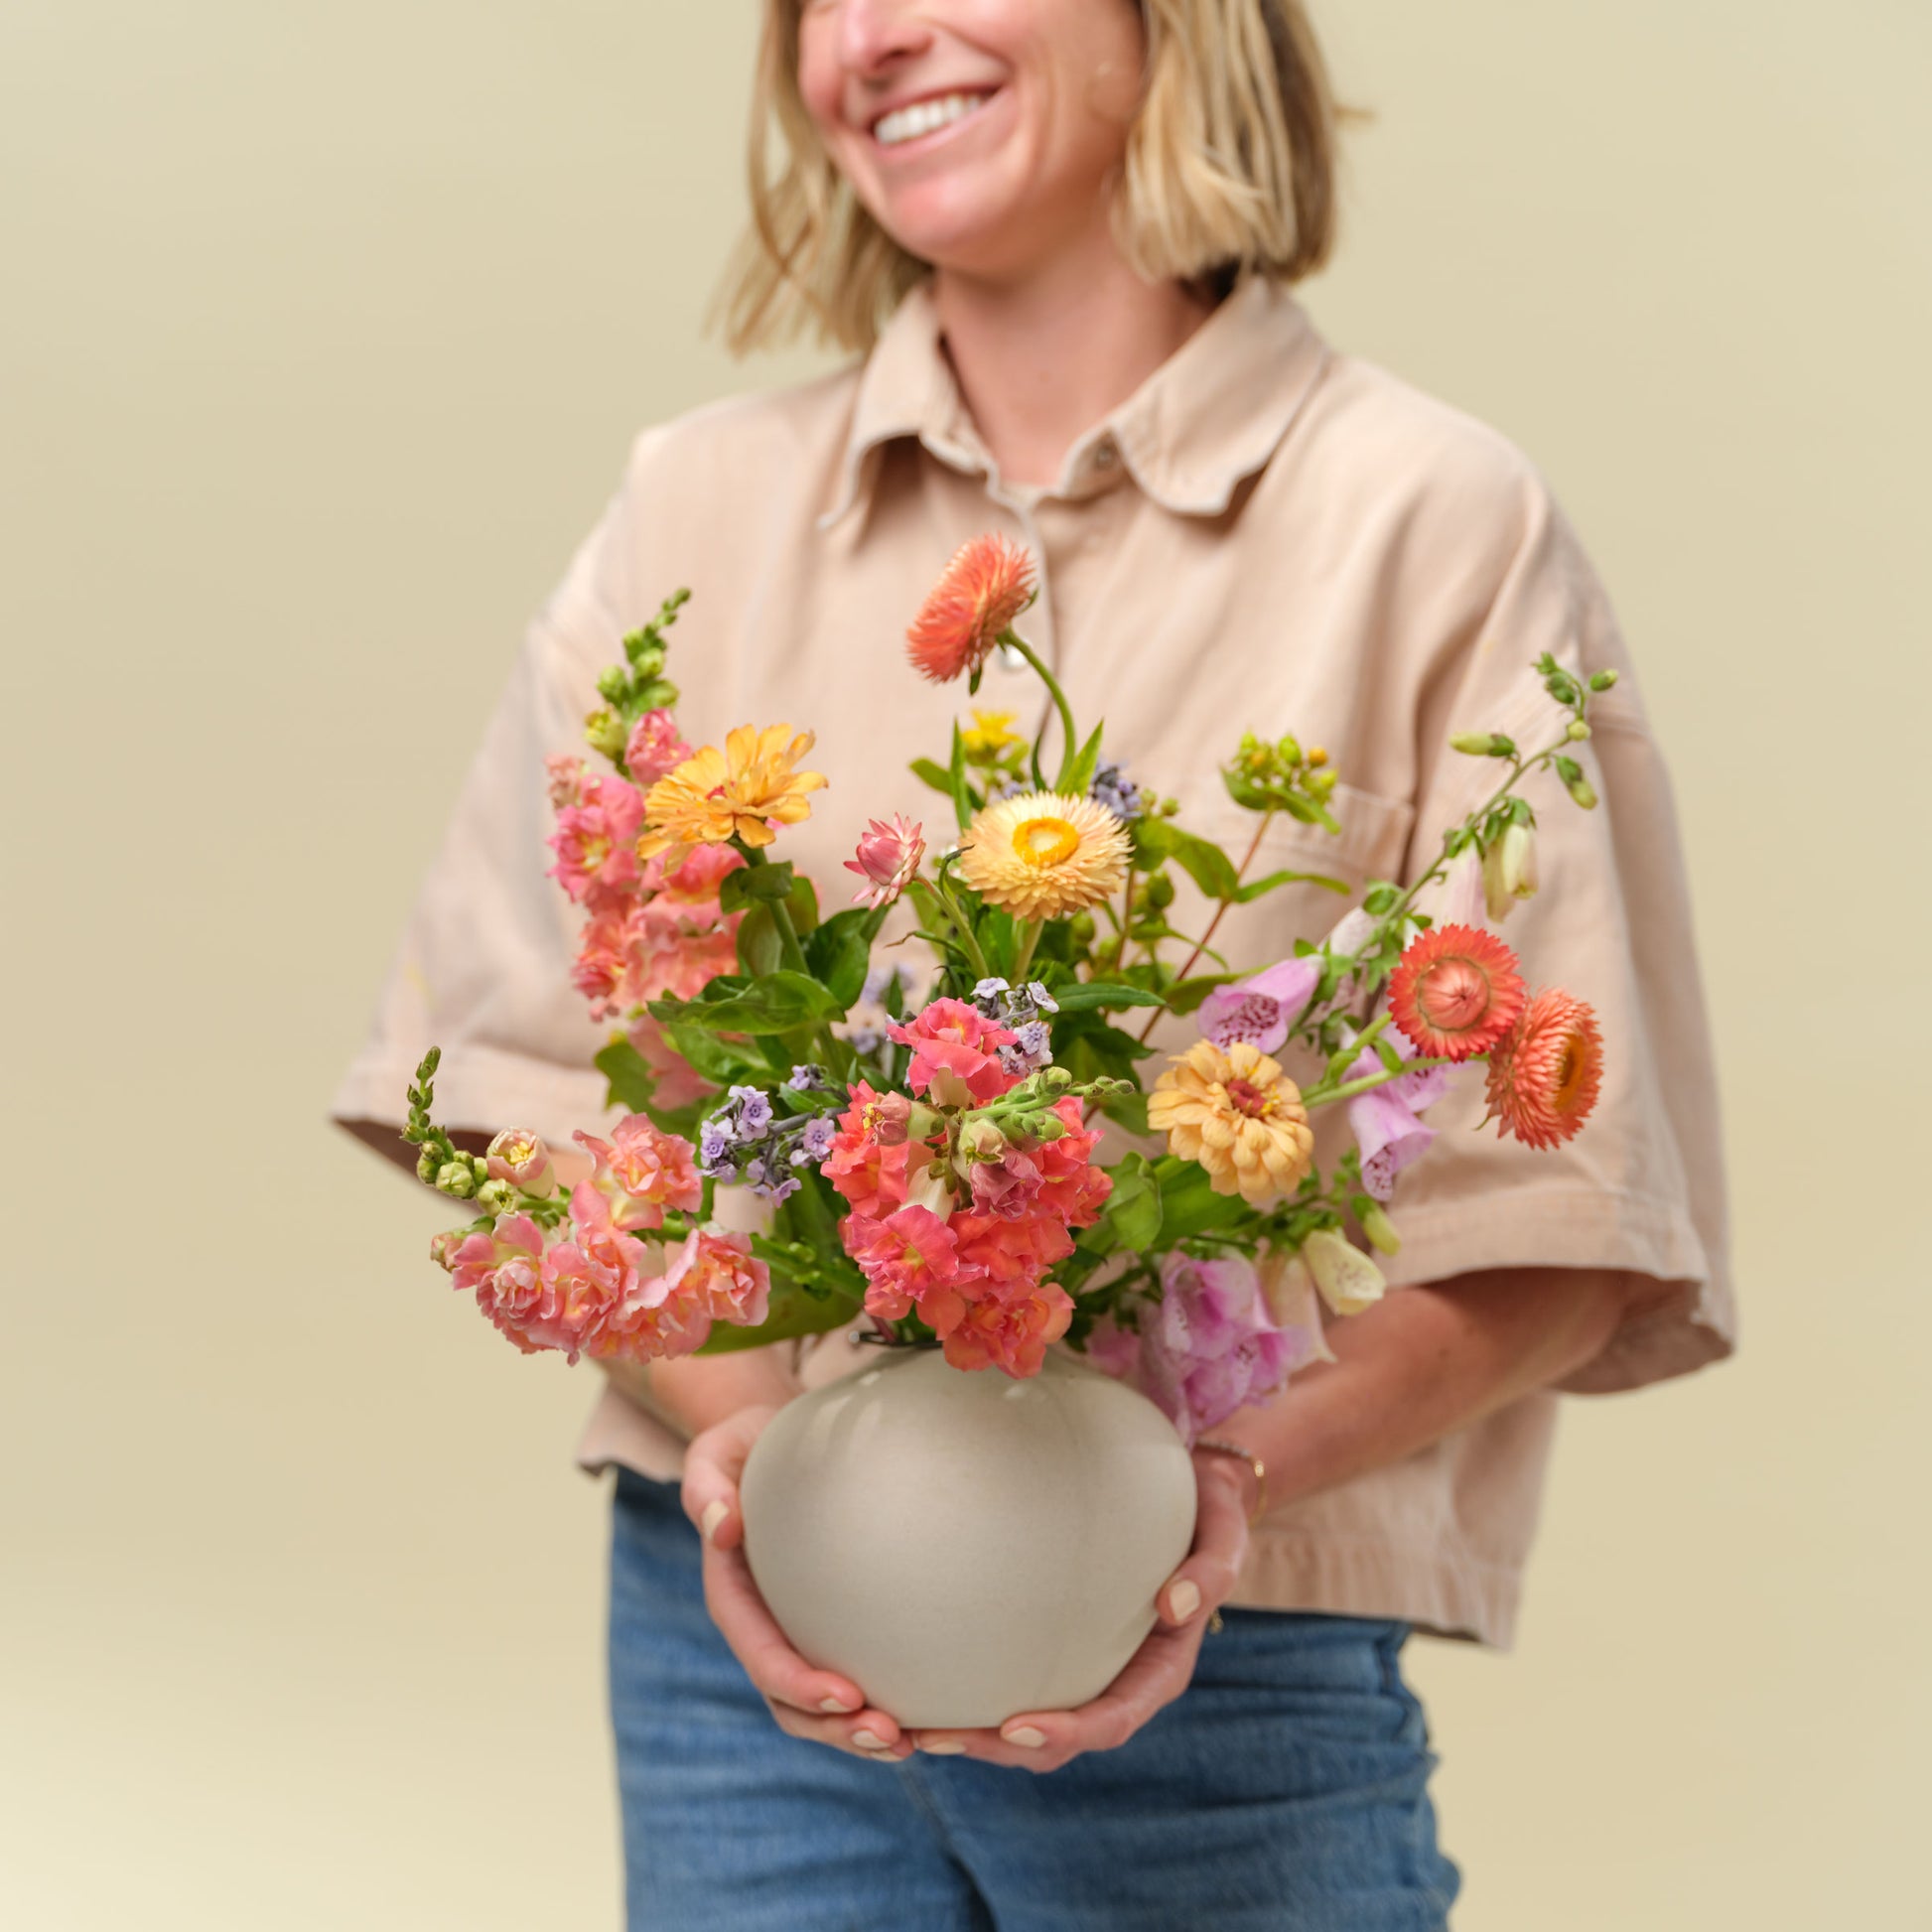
1014, 641
1029, 942
1207, 937
1323, 1095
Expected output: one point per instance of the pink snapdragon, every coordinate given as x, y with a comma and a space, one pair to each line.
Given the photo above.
1209, 1347
641, 1171
1010, 1334
564, 778
715, 1276
519, 1156
908, 1260
867, 1161
596, 838
653, 748
888, 858
954, 1054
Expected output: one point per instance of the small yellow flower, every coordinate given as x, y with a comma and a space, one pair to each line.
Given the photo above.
1239, 1115
737, 793
990, 733
1044, 855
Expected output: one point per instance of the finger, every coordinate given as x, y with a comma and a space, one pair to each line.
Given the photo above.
865, 1735
1214, 1566
1152, 1677
714, 1459
753, 1633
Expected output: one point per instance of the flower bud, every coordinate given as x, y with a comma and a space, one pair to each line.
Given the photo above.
980, 1140
1578, 731
443, 1247
612, 682
1289, 751
496, 1196
1378, 1227
1509, 871
1082, 930
427, 1164
929, 1188
603, 732
1473, 745
455, 1180
1347, 1279
1322, 783
1159, 891
1055, 1080
1602, 680
519, 1156
1583, 791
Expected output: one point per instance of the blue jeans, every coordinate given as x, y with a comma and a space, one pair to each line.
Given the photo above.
1286, 1788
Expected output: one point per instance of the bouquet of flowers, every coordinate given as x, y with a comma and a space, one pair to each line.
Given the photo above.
927, 1141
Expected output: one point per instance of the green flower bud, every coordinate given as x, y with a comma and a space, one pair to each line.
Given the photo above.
1473, 745
603, 732
427, 1164
455, 1180
1578, 731
496, 1196
1322, 783
1378, 1227
1159, 891
1054, 1079
612, 683
1082, 930
1583, 791
1602, 680
1289, 751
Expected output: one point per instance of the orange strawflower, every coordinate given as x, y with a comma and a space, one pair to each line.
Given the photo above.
1456, 992
1545, 1077
986, 585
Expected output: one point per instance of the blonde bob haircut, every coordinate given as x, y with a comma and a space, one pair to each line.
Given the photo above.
1231, 168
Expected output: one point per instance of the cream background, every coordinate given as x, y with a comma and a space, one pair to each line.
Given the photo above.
324, 331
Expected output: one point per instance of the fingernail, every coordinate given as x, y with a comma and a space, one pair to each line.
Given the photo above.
837, 1704
883, 1758
715, 1513
870, 1740
1026, 1737
1183, 1599
942, 1746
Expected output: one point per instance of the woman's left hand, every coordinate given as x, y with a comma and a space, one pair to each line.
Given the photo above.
1163, 1667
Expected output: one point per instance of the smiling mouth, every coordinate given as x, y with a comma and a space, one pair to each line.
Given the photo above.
924, 117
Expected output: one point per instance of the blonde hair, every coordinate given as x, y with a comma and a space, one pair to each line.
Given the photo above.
1231, 163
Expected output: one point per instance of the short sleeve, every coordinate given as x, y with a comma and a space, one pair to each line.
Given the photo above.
483, 966
1641, 1188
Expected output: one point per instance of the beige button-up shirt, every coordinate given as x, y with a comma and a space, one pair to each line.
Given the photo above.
1269, 535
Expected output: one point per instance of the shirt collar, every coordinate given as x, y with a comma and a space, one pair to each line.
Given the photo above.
1206, 419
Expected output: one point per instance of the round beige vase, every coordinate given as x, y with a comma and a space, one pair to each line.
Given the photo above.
964, 1546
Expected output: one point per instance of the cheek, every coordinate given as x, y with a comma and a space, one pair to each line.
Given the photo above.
820, 79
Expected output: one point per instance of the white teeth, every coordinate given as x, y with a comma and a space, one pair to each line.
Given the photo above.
923, 117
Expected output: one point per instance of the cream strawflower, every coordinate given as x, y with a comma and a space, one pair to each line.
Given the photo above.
1239, 1115
1044, 855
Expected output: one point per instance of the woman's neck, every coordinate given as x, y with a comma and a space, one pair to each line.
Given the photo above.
1039, 361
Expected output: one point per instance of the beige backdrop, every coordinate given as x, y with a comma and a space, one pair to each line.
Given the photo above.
323, 333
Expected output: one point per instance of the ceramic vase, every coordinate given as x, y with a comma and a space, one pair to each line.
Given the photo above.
962, 1545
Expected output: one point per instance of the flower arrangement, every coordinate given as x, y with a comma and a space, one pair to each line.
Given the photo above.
928, 1148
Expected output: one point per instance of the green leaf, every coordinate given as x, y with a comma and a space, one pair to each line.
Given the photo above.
630, 1076
956, 778
1188, 1203
1077, 776
746, 885
759, 949
1255, 888
1126, 1110
1187, 995
773, 1003
793, 1313
719, 1061
937, 776
838, 953
1085, 994
1205, 864
1134, 1206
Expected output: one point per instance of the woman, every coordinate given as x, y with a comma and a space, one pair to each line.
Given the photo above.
1064, 231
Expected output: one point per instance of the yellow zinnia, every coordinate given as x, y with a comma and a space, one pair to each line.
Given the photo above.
1239, 1115
1044, 855
737, 793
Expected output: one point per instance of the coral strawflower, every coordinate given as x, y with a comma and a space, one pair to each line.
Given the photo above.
1044, 855
1456, 992
1239, 1115
736, 792
1544, 1078
989, 582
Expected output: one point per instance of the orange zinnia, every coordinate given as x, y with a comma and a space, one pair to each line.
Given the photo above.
1456, 992
986, 585
1546, 1076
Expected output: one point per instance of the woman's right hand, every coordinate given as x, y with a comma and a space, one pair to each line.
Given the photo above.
807, 1701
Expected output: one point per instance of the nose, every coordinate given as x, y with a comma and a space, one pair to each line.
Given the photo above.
876, 36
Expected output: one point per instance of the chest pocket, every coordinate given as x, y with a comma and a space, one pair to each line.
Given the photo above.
1372, 843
